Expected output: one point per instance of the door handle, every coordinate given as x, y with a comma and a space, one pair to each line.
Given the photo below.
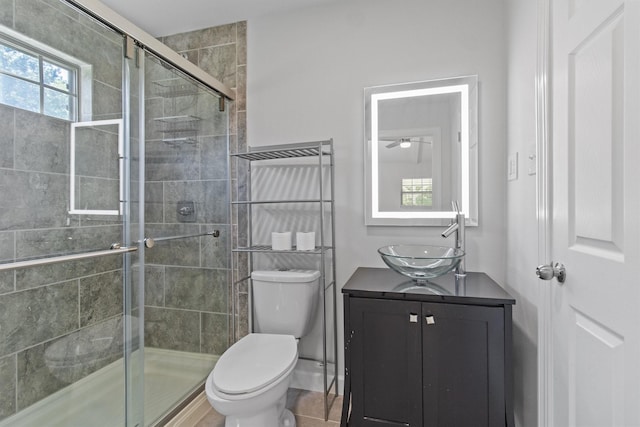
549, 271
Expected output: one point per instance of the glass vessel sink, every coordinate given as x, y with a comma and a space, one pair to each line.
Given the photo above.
421, 262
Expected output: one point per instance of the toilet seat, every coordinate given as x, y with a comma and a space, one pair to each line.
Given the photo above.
253, 363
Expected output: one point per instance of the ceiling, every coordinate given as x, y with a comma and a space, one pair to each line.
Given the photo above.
165, 17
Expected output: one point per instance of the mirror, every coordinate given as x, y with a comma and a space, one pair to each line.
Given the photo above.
421, 152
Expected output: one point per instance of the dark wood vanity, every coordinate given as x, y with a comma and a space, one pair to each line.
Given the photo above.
434, 354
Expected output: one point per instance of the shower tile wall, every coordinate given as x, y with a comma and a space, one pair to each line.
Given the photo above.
38, 306
222, 52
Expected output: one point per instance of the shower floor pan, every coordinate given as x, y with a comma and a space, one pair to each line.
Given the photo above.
98, 399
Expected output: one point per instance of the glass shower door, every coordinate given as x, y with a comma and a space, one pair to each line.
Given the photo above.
186, 267
64, 155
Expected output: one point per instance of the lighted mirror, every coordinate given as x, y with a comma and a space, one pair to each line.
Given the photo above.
421, 152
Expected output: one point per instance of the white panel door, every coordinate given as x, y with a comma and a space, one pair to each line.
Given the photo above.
595, 314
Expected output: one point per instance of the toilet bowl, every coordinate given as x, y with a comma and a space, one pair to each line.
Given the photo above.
250, 381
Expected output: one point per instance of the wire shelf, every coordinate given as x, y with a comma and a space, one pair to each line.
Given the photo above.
178, 124
274, 152
172, 88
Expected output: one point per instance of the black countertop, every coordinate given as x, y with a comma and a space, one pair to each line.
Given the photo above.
474, 288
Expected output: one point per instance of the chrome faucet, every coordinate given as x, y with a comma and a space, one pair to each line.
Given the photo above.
457, 225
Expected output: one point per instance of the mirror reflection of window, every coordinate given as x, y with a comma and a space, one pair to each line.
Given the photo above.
417, 192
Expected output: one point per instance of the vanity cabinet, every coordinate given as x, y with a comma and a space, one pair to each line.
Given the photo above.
433, 355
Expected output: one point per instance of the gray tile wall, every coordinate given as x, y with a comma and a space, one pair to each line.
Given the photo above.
222, 52
187, 280
42, 306
187, 286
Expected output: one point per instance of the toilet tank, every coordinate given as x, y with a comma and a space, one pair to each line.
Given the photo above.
285, 302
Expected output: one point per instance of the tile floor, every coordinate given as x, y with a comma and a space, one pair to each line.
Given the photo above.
307, 406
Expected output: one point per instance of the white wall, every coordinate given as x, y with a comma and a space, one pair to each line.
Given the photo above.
306, 74
522, 240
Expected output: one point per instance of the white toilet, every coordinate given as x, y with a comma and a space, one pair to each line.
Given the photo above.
249, 383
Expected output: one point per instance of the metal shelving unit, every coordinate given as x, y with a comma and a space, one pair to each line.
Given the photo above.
323, 151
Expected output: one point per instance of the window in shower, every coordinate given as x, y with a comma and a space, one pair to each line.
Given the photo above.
37, 81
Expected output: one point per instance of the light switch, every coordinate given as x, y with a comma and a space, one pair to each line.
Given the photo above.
531, 160
512, 167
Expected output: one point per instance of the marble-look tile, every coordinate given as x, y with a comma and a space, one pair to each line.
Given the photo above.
172, 329
213, 157
215, 250
61, 28
63, 8
36, 315
196, 289
103, 49
153, 203
7, 136
153, 110
158, 77
107, 101
213, 36
8, 381
241, 88
242, 43
41, 143
102, 342
40, 21
233, 121
154, 286
243, 315
6, 13
7, 242
166, 162
7, 282
242, 131
100, 297
32, 243
220, 62
215, 333
97, 151
210, 197
191, 55
181, 252
53, 273
35, 379
32, 200
98, 194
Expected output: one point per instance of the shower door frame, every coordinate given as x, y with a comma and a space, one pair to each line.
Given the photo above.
135, 42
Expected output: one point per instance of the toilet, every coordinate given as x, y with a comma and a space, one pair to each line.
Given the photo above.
249, 383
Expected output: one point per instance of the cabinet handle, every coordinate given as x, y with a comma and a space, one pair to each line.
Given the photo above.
413, 318
430, 320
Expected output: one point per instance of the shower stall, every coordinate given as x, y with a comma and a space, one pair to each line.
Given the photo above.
115, 263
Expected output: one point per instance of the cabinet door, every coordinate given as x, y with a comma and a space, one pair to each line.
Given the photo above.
386, 366
463, 365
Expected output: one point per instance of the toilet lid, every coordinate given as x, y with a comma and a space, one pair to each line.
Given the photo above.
254, 362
